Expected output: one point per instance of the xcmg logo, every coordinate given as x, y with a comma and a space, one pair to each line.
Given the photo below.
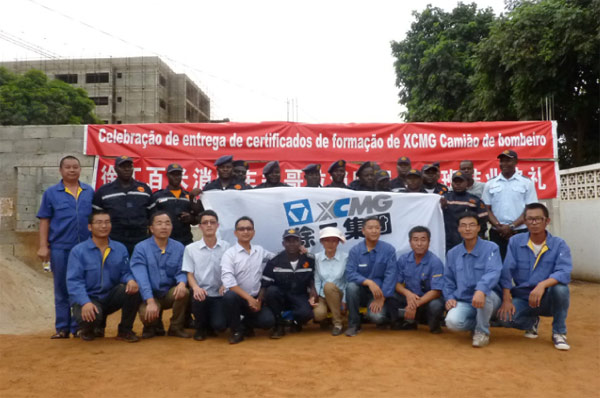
299, 211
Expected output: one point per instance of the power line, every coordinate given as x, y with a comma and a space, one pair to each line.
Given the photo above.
27, 45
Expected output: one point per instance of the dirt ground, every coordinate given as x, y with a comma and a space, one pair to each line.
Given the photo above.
376, 363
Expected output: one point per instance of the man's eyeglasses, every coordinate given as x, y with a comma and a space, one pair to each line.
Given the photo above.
244, 229
534, 220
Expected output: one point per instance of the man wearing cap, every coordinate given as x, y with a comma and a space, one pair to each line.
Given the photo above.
100, 282
506, 196
471, 278
63, 217
535, 278
179, 203
240, 169
403, 167
288, 280
127, 201
330, 279
242, 267
371, 273
365, 178
382, 181
473, 187
272, 174
226, 179
312, 175
419, 287
431, 175
413, 183
457, 202
337, 171
202, 262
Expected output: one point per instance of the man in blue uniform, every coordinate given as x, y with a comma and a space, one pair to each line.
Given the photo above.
371, 275
505, 197
403, 167
240, 169
419, 287
63, 218
455, 203
226, 178
470, 279
337, 171
156, 266
100, 282
179, 203
312, 175
127, 201
365, 177
413, 183
288, 280
540, 266
382, 181
272, 173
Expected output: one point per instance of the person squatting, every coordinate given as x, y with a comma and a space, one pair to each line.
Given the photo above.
126, 248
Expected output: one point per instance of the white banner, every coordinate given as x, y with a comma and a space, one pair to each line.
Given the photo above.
310, 209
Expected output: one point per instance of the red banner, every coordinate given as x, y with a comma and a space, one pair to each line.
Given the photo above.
426, 142
197, 173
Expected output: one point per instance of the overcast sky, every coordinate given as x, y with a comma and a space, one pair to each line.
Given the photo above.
332, 57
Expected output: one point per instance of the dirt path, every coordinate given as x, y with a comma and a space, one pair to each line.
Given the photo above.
313, 363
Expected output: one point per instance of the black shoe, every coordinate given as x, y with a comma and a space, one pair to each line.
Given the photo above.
408, 325
236, 337
99, 332
148, 332
278, 332
63, 334
179, 333
249, 332
337, 330
128, 337
86, 335
435, 330
200, 335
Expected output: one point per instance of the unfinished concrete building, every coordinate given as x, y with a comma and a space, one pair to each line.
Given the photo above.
128, 90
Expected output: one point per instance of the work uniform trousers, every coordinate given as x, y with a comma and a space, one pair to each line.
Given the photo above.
360, 296
236, 307
62, 307
466, 317
164, 303
431, 313
279, 300
332, 302
116, 300
209, 312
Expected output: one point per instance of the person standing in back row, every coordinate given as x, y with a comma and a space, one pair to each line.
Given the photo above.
63, 216
127, 201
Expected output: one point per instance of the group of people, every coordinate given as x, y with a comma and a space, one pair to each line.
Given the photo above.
124, 247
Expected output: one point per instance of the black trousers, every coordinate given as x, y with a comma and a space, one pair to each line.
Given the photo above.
116, 300
209, 312
236, 306
279, 300
501, 242
430, 313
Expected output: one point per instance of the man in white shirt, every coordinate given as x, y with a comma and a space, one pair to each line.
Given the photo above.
242, 266
202, 262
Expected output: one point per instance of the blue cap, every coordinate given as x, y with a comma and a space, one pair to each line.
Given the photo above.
123, 159
364, 166
403, 159
223, 159
174, 167
312, 168
270, 166
336, 164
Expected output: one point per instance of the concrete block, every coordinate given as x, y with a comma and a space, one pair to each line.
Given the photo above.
6, 146
23, 226
74, 146
35, 132
62, 131
78, 132
55, 145
28, 146
11, 132
7, 250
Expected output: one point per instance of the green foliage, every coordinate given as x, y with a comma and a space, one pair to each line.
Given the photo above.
32, 98
433, 64
545, 51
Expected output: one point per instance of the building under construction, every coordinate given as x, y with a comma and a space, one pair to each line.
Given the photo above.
128, 90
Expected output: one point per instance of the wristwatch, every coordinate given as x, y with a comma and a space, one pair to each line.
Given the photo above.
512, 226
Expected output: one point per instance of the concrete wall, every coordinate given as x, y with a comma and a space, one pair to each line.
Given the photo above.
29, 158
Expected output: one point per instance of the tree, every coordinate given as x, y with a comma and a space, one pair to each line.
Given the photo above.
540, 53
32, 98
433, 64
